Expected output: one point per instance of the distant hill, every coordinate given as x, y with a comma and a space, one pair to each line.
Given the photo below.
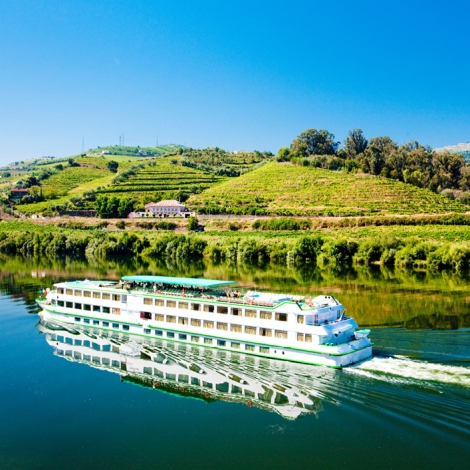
463, 149
284, 189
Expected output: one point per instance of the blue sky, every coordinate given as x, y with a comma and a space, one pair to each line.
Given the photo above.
240, 75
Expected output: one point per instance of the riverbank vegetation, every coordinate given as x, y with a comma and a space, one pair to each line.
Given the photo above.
432, 247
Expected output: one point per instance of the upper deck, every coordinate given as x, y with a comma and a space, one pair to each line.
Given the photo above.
201, 289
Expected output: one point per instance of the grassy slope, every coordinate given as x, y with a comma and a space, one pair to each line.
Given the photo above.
287, 189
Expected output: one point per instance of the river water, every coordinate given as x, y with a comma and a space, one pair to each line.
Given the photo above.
70, 399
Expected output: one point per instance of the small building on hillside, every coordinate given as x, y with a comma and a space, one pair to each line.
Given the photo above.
19, 193
168, 208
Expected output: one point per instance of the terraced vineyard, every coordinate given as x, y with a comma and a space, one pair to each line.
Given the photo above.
280, 189
61, 183
161, 176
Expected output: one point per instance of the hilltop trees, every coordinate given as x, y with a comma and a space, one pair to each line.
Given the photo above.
411, 162
313, 142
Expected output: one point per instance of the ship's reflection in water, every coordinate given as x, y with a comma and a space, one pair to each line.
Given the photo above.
288, 389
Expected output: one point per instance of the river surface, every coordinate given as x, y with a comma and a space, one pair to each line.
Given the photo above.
69, 399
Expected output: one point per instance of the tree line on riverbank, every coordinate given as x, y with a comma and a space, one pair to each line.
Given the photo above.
314, 251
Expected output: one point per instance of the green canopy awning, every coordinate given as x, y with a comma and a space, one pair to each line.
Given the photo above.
179, 281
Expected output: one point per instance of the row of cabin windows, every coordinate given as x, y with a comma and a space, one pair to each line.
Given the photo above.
249, 330
87, 307
222, 309
104, 324
90, 294
210, 341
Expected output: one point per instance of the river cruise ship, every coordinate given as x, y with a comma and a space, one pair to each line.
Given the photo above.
214, 314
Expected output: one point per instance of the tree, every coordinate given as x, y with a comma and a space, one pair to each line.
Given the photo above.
376, 154
283, 155
113, 166
313, 142
355, 143
192, 223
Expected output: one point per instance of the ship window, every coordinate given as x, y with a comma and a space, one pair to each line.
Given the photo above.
263, 350
208, 308
116, 297
300, 337
97, 295
183, 321
96, 308
147, 331
78, 342
195, 339
116, 311
159, 302
222, 326
68, 291
159, 317
115, 325
236, 345
125, 327
87, 307
266, 315
265, 332
250, 313
77, 355
222, 309
183, 305
105, 310
300, 319
115, 363
69, 304
60, 290
158, 333
281, 334
250, 330
86, 293
106, 297
196, 307
182, 336
281, 316
221, 342
146, 315
106, 324
170, 319
78, 293
148, 301
236, 311
207, 340
78, 319
249, 347
195, 322
170, 376
169, 334
60, 303
183, 378
236, 328
96, 322
86, 320
171, 304
308, 338
208, 324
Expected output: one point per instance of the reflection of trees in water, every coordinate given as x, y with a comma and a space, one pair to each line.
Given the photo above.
373, 295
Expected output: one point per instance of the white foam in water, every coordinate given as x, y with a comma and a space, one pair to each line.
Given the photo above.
398, 367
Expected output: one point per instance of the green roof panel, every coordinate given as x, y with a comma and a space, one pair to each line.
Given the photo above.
179, 281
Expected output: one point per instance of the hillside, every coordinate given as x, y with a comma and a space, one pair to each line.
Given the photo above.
75, 183
283, 189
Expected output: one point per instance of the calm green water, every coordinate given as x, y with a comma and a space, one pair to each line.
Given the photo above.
65, 403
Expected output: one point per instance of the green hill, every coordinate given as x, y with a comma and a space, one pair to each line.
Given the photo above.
284, 189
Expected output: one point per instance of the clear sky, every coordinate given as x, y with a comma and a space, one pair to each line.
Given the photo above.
239, 75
